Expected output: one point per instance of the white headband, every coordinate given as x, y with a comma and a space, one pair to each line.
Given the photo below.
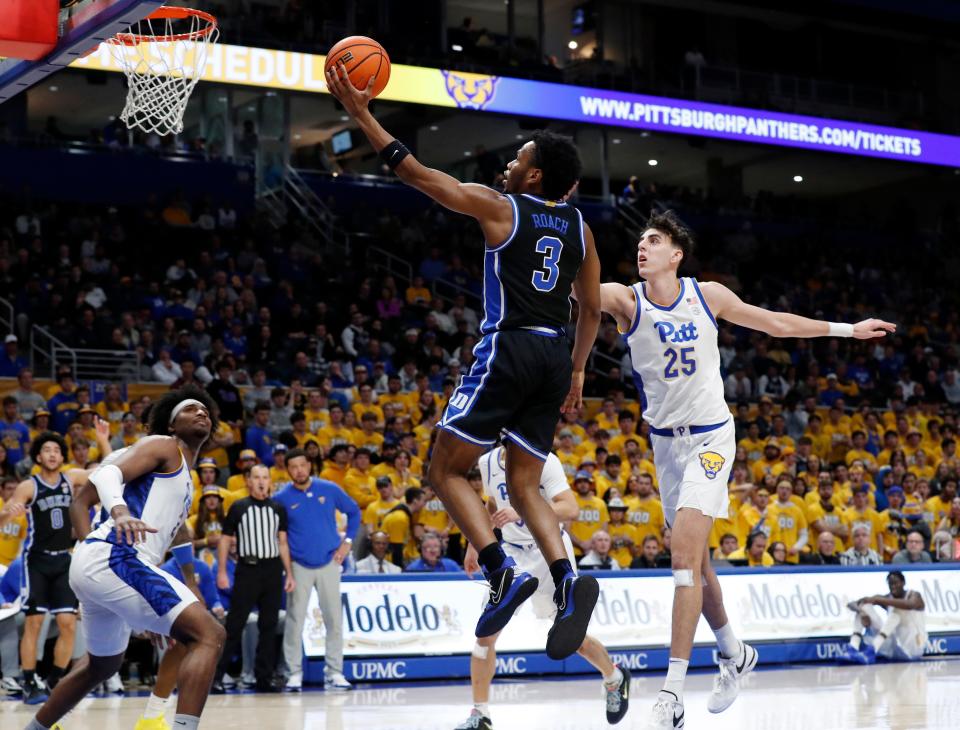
183, 404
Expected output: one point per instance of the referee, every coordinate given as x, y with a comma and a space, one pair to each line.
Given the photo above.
259, 526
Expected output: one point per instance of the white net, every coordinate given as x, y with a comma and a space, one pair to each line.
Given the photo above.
163, 57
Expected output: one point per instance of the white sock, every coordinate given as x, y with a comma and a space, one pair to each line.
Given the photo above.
878, 641
856, 641
482, 707
186, 722
676, 674
614, 678
727, 641
34, 725
156, 706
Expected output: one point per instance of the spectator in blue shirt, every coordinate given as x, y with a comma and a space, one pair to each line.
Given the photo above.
318, 551
9, 638
431, 558
64, 406
205, 581
10, 361
258, 434
14, 434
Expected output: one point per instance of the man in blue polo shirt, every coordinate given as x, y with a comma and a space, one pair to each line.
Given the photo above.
431, 558
258, 435
317, 551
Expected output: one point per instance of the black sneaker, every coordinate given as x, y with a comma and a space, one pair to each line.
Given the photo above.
575, 598
618, 698
35, 693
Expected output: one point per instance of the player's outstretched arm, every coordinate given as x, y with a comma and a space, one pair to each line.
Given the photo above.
727, 305
470, 199
586, 288
84, 497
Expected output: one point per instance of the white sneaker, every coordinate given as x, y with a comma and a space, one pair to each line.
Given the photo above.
336, 681
228, 682
11, 686
726, 685
667, 714
294, 682
114, 685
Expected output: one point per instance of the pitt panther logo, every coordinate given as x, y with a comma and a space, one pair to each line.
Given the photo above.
686, 332
712, 463
470, 91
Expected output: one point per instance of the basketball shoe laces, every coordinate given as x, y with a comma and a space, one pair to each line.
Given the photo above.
727, 677
613, 697
662, 714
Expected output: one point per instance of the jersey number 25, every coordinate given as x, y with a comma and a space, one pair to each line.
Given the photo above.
688, 366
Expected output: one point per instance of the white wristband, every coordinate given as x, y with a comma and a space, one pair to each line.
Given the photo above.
839, 329
108, 479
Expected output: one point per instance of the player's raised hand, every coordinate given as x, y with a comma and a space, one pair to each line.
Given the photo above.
870, 328
15, 509
131, 530
355, 101
102, 427
574, 399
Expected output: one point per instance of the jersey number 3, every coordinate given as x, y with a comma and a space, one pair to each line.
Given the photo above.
688, 366
551, 248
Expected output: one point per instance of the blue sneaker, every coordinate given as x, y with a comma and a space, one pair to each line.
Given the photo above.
575, 598
849, 655
509, 587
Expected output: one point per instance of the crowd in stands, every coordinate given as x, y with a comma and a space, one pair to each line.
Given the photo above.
846, 452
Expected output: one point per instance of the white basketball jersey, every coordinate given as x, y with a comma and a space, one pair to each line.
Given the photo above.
493, 472
163, 502
676, 360
911, 620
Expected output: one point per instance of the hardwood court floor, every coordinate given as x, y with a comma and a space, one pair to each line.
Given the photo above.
896, 696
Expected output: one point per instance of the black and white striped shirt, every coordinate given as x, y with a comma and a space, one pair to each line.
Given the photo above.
256, 524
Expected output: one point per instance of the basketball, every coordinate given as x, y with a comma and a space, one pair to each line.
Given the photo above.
363, 58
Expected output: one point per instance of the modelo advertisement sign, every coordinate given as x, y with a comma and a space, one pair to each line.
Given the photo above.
423, 615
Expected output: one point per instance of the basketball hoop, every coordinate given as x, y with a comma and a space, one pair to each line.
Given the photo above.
163, 57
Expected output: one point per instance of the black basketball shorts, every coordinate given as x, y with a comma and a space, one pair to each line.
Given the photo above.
516, 385
47, 584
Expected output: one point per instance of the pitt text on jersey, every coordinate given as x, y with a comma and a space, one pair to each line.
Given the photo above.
669, 332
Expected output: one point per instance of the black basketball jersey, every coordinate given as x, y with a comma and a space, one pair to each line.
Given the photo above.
49, 517
528, 278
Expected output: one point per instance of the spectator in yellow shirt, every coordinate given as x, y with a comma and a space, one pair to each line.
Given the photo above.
860, 514
912, 445
337, 463
395, 396
112, 408
821, 440
754, 516
755, 553
764, 466
608, 419
753, 444
950, 457
626, 429
859, 452
591, 517
358, 482
645, 512
826, 514
374, 513
920, 466
14, 531
790, 525
610, 476
335, 434
624, 537
939, 506
366, 404
417, 294
569, 420
316, 411
368, 438
403, 529
567, 453
433, 516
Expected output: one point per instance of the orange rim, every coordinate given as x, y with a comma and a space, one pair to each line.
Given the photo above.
170, 13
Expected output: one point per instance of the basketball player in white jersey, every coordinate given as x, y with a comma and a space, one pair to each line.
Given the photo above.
147, 492
670, 325
519, 544
900, 634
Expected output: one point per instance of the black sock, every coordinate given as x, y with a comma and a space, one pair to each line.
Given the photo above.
56, 674
560, 569
491, 558
28, 676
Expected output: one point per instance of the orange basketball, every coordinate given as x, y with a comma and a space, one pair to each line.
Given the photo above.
363, 58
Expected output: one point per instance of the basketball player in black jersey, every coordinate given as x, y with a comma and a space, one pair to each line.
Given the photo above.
46, 498
538, 249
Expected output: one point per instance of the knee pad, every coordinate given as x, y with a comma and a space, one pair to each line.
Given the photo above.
480, 651
683, 578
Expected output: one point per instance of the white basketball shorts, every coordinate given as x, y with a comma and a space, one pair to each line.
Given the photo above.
530, 560
119, 593
693, 471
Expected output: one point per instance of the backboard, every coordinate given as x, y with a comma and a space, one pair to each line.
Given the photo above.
82, 28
